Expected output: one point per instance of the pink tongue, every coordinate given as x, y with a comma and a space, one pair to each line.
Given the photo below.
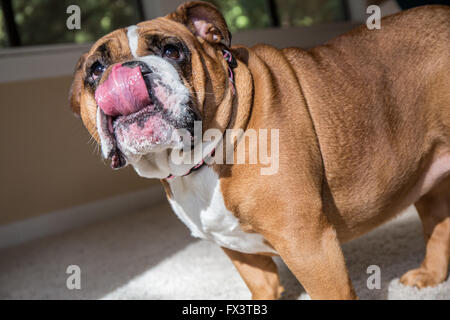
123, 93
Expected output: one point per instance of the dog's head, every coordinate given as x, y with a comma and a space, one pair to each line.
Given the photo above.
138, 87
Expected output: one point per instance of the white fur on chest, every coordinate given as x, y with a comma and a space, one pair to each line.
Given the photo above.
197, 200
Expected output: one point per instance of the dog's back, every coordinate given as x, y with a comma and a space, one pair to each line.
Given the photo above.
380, 103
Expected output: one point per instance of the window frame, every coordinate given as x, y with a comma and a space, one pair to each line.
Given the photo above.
12, 30
56, 60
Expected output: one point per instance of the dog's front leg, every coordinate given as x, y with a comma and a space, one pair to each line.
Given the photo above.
259, 273
311, 250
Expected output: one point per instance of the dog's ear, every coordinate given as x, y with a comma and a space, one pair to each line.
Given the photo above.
75, 89
204, 20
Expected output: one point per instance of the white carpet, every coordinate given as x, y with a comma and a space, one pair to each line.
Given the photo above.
150, 255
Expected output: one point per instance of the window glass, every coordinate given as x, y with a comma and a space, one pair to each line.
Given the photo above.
3, 36
251, 14
44, 21
40, 22
306, 13
244, 14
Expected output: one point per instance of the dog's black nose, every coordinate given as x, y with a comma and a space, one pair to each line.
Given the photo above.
132, 64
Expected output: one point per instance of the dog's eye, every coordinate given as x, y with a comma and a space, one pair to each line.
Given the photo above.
172, 52
97, 69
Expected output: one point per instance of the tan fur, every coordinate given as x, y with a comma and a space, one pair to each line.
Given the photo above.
434, 211
364, 124
259, 273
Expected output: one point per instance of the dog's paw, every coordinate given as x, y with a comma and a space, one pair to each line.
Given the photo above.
274, 294
421, 278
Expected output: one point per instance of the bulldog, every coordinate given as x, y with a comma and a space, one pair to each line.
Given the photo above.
363, 124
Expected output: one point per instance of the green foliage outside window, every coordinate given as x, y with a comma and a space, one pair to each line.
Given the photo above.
244, 14
44, 21
307, 13
252, 14
3, 37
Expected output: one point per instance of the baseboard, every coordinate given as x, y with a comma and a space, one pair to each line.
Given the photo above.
62, 220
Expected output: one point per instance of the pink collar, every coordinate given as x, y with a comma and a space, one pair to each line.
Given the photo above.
232, 63
195, 168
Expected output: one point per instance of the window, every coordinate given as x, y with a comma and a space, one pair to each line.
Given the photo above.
306, 13
3, 39
21, 21
41, 22
251, 14
245, 14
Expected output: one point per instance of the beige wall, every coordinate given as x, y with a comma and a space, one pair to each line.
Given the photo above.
47, 162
